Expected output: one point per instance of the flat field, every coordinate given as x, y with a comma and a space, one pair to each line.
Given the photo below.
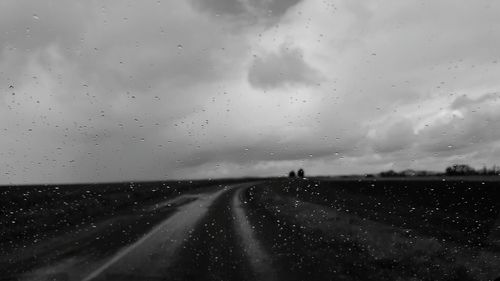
384, 229
253, 229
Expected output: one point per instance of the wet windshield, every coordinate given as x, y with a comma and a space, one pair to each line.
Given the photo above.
249, 140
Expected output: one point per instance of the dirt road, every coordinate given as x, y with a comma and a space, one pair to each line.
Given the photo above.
208, 237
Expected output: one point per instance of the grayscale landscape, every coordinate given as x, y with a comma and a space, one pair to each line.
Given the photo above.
249, 140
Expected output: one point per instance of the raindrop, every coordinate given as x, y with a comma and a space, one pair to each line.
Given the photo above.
179, 47
35, 16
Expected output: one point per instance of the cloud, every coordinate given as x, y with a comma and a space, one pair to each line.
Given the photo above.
27, 25
232, 7
474, 125
394, 137
285, 68
247, 9
464, 102
107, 90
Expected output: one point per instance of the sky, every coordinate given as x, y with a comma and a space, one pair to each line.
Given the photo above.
96, 91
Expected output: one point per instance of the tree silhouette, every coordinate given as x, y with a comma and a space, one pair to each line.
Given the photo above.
390, 173
300, 173
460, 170
291, 174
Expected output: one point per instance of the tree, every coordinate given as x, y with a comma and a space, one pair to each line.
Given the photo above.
291, 174
300, 173
389, 173
460, 170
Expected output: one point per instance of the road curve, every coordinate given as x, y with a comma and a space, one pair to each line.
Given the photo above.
155, 250
207, 239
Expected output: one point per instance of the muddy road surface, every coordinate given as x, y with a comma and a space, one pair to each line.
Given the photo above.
204, 236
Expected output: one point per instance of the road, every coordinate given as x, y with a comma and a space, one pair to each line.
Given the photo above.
209, 237
260, 231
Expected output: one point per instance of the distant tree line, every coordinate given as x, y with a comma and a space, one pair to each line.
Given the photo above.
466, 170
406, 173
453, 170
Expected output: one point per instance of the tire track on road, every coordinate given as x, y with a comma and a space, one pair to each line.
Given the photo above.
207, 238
223, 246
258, 257
148, 256
213, 250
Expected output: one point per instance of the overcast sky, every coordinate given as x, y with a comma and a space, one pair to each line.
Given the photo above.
146, 90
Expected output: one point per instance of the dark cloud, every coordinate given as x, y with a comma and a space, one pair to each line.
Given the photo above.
287, 67
263, 151
248, 9
218, 7
278, 7
280, 145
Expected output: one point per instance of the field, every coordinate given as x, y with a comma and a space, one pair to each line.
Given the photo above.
396, 229
307, 229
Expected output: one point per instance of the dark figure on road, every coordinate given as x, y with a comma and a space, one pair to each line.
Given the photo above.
291, 174
300, 173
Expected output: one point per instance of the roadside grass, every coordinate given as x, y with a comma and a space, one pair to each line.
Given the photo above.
454, 210
357, 246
